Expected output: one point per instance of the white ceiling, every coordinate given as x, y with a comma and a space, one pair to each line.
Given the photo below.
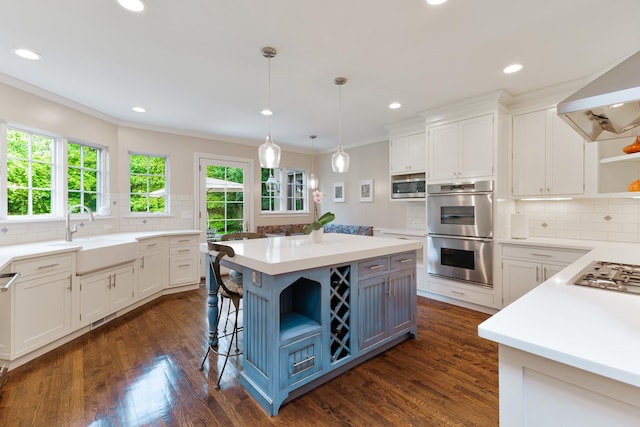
196, 65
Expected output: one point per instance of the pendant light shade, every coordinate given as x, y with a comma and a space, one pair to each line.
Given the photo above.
340, 159
312, 181
269, 152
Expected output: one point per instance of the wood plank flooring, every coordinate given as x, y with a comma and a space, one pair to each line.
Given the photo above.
142, 370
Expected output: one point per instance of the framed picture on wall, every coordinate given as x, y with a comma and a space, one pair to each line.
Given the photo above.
338, 192
366, 190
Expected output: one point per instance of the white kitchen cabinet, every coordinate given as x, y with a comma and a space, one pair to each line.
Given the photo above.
153, 268
461, 150
105, 292
183, 260
525, 267
42, 302
408, 154
548, 156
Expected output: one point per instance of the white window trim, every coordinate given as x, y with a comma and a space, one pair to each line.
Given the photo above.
167, 190
284, 196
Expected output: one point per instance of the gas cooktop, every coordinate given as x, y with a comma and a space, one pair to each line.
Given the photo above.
611, 276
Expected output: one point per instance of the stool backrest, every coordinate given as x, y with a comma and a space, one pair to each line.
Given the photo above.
222, 251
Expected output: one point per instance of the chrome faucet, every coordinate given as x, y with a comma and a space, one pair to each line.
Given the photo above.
71, 231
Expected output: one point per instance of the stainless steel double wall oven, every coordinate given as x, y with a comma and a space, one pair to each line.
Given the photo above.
460, 221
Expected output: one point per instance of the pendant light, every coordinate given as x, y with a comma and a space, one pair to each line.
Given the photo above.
269, 152
340, 159
312, 182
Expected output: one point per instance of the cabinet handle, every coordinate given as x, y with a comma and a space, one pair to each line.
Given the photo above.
404, 261
183, 240
184, 250
538, 274
109, 287
114, 280
142, 262
6, 287
70, 284
376, 267
42, 267
542, 255
302, 362
184, 265
457, 292
150, 245
544, 273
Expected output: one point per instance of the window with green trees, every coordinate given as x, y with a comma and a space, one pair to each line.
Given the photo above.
283, 190
148, 179
83, 175
225, 199
30, 173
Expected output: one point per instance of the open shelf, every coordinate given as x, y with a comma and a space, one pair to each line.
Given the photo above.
300, 309
633, 157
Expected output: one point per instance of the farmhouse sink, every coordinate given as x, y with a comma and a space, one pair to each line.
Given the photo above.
97, 253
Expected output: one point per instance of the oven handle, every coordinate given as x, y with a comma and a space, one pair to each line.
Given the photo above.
446, 236
460, 193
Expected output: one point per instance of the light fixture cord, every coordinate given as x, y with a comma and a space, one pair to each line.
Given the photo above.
269, 98
340, 115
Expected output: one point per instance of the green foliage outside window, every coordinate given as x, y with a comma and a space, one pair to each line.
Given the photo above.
82, 175
29, 173
225, 203
147, 176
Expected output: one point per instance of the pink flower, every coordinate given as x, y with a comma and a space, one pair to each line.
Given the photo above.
317, 196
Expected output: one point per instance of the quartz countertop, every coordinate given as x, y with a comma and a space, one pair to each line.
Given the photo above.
10, 253
591, 329
278, 255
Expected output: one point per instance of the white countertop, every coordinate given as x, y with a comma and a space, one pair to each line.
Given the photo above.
278, 255
592, 329
10, 253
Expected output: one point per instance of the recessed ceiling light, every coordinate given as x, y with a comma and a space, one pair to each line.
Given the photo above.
266, 112
132, 5
513, 68
617, 105
139, 109
435, 2
395, 105
27, 54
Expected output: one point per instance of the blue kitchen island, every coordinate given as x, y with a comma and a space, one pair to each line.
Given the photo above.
314, 310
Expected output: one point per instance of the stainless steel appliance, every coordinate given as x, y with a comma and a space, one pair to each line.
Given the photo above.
460, 223
408, 188
611, 276
608, 107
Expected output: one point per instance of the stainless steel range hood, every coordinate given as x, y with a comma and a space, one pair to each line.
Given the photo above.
608, 107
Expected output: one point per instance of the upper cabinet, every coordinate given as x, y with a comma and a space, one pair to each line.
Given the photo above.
462, 149
547, 156
408, 154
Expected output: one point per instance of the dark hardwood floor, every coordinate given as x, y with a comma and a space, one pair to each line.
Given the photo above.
142, 370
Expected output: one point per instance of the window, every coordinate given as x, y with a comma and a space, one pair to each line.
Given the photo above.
226, 211
284, 190
30, 173
147, 179
83, 175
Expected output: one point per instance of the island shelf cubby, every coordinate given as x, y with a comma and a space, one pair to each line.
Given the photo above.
300, 306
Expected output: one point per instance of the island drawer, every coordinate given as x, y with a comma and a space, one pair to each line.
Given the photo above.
300, 359
183, 250
373, 266
402, 261
43, 265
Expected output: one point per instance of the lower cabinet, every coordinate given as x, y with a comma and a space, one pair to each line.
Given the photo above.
386, 301
183, 260
105, 292
299, 360
525, 267
152, 266
42, 302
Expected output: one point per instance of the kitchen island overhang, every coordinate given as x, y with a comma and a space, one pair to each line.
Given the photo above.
314, 310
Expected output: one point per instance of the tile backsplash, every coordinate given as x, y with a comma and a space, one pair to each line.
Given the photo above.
585, 219
116, 221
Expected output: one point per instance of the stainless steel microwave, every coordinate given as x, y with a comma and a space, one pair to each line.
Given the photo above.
408, 188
